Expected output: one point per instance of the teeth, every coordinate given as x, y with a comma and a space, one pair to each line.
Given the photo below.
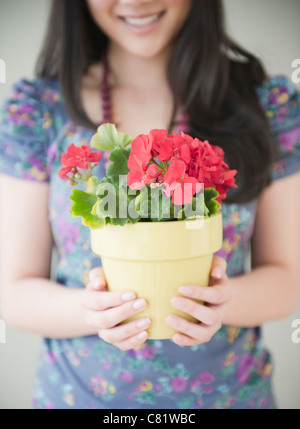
139, 22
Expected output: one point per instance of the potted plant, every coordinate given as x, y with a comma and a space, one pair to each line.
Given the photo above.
155, 217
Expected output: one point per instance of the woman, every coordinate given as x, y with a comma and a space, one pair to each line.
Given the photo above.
147, 64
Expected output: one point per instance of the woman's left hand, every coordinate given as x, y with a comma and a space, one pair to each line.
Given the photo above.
210, 314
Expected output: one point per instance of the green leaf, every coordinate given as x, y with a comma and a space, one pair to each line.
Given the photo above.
195, 209
83, 204
92, 185
126, 197
108, 138
141, 203
150, 203
118, 166
107, 200
115, 204
213, 207
160, 206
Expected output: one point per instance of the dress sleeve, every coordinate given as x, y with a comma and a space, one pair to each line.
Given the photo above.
281, 101
23, 133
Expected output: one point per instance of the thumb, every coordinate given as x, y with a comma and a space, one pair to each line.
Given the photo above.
97, 279
218, 268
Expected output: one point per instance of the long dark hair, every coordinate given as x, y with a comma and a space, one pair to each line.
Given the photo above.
210, 75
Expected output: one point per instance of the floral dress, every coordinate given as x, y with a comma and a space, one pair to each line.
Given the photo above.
233, 370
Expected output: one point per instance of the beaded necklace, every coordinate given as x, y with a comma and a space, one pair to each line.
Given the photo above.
105, 93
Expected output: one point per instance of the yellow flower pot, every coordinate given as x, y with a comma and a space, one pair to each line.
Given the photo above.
154, 259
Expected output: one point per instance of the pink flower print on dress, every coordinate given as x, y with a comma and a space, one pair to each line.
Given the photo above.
178, 384
289, 139
50, 96
21, 114
69, 234
247, 364
126, 376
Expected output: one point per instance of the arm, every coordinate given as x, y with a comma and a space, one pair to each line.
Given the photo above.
30, 301
270, 291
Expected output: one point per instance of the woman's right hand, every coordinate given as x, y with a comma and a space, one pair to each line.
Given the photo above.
106, 310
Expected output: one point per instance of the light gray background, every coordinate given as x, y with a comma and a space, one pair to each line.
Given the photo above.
271, 29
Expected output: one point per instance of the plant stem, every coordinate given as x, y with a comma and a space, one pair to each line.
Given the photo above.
157, 164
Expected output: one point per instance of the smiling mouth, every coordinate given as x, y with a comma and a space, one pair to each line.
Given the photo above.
142, 21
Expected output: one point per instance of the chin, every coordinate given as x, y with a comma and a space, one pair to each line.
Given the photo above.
146, 54
146, 51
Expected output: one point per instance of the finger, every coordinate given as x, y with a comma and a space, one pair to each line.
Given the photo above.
112, 317
200, 312
220, 309
93, 300
217, 294
218, 268
98, 284
97, 279
94, 272
199, 332
124, 332
184, 340
133, 342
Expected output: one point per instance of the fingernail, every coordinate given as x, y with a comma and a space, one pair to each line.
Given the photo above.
173, 321
142, 335
186, 290
217, 272
128, 296
95, 273
178, 302
143, 323
140, 303
97, 281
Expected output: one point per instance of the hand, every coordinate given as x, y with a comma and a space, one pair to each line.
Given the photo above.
210, 316
106, 310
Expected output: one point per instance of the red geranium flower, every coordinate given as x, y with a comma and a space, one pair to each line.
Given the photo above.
176, 171
142, 170
185, 190
158, 137
185, 161
65, 172
208, 166
174, 145
139, 176
141, 149
182, 187
76, 159
80, 156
